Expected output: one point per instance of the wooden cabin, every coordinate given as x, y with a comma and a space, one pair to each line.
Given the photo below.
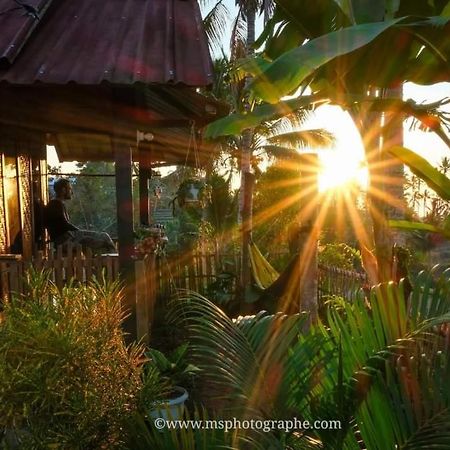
88, 77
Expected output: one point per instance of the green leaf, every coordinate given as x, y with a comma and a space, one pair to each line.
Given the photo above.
446, 11
315, 138
253, 66
287, 72
424, 170
417, 226
288, 38
347, 7
392, 7
236, 123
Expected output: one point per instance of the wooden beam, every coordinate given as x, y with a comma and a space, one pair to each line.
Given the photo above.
90, 109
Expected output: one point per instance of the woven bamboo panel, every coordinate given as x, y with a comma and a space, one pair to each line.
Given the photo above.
26, 207
3, 237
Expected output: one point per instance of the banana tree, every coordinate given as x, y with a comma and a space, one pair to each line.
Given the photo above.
352, 54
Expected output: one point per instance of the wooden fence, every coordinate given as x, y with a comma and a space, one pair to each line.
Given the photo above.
339, 282
196, 271
11, 275
62, 265
203, 273
157, 279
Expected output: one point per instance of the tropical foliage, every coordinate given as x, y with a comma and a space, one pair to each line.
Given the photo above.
67, 379
356, 55
340, 255
379, 365
93, 206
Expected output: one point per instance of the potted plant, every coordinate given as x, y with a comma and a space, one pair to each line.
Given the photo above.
174, 374
193, 192
151, 240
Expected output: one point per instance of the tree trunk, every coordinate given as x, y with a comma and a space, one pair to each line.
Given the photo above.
308, 270
379, 132
246, 192
393, 135
369, 126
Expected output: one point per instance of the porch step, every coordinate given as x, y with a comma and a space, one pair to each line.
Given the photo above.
162, 215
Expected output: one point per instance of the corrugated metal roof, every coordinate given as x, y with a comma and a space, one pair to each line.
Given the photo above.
94, 41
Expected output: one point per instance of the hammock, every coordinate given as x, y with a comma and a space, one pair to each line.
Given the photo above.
264, 275
276, 290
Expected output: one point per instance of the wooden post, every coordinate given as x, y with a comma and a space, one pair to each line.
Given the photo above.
145, 296
125, 230
151, 280
144, 178
142, 313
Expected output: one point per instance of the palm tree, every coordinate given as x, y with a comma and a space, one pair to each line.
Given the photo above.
242, 47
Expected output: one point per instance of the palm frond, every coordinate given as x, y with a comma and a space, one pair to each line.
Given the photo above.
279, 152
237, 357
238, 39
408, 407
312, 138
215, 24
361, 341
142, 435
295, 119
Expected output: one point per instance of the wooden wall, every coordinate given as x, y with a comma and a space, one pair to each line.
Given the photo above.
3, 229
21, 187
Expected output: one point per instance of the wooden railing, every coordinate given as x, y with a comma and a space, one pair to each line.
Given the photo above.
11, 275
157, 278
62, 265
73, 264
339, 282
194, 271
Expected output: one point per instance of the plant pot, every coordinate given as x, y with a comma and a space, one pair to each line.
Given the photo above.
171, 409
192, 194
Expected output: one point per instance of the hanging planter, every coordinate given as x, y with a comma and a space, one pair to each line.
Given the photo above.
193, 192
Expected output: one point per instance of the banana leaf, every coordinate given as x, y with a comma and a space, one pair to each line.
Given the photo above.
424, 170
287, 72
236, 123
296, 66
407, 225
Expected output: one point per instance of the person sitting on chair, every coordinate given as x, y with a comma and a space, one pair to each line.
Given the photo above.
60, 229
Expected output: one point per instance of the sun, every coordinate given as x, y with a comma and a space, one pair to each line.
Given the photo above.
341, 164
338, 169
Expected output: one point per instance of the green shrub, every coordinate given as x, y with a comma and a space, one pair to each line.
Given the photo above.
340, 255
67, 379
